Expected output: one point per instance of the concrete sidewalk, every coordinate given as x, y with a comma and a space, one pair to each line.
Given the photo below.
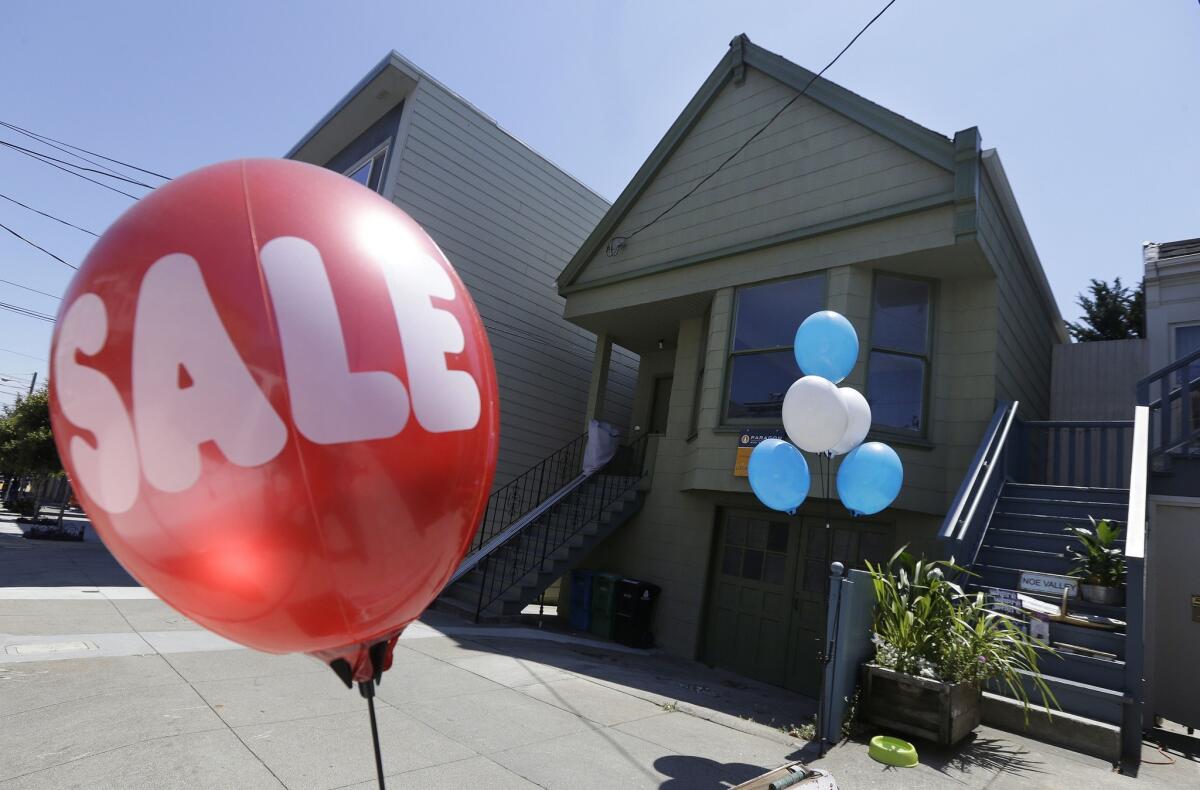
102, 685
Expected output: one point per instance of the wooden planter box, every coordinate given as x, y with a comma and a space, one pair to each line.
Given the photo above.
941, 712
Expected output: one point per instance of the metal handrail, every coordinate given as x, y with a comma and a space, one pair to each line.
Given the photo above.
1078, 423
472, 560
980, 462
535, 556
527, 490
1143, 385
991, 469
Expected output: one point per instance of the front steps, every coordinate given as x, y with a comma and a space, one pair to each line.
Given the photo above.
580, 513
1027, 532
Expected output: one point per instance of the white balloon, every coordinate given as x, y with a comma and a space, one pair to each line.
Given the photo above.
858, 412
814, 415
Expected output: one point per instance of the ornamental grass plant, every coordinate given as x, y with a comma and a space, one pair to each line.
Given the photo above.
927, 626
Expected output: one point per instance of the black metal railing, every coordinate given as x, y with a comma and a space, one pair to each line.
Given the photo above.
1172, 394
529, 550
966, 523
529, 489
1093, 453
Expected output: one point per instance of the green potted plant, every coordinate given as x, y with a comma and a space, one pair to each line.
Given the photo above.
935, 648
1099, 562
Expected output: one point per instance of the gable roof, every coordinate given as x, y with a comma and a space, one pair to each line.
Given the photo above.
927, 144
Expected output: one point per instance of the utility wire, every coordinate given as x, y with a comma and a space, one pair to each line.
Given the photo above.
614, 247
37, 246
12, 308
23, 354
27, 288
47, 158
81, 175
57, 147
48, 216
45, 138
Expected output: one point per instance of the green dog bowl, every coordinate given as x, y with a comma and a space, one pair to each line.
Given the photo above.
893, 751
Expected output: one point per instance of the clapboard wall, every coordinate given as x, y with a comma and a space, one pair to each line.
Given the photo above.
509, 221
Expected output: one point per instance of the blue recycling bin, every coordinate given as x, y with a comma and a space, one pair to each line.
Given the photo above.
581, 600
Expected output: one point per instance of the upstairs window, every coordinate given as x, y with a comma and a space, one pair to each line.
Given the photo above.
369, 172
762, 364
898, 367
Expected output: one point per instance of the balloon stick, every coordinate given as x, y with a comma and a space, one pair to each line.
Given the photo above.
367, 689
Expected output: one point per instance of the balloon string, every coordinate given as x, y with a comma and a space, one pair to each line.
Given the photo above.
368, 690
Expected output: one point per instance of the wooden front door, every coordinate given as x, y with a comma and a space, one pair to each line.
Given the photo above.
766, 612
852, 544
750, 604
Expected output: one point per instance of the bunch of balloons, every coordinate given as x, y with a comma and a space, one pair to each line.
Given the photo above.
821, 417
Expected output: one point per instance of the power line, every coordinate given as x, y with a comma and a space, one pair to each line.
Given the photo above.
27, 288
85, 178
36, 246
44, 138
27, 312
49, 216
48, 159
23, 354
57, 147
613, 245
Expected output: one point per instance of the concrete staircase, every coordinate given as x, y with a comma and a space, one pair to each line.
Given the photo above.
514, 574
1027, 532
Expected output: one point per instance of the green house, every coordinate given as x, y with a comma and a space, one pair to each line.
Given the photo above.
837, 203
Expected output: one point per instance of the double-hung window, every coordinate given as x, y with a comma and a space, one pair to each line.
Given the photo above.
762, 363
369, 172
898, 366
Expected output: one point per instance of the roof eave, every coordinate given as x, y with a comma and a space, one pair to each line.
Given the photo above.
1008, 204
925, 143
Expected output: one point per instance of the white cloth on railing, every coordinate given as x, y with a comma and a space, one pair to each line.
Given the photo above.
604, 439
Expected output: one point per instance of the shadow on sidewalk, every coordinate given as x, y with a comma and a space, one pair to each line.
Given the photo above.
664, 679
45, 563
701, 773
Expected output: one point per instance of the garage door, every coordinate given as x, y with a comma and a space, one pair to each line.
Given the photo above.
765, 616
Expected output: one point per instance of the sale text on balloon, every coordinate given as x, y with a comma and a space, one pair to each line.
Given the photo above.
177, 328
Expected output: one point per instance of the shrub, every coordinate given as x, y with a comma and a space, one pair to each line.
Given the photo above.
926, 625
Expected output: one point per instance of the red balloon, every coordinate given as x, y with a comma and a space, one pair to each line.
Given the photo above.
278, 407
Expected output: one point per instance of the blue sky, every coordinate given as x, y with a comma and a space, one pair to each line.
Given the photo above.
1094, 106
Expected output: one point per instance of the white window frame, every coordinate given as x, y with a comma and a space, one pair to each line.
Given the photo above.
379, 152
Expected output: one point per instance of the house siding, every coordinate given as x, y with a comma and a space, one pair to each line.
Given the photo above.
508, 221
811, 166
1026, 333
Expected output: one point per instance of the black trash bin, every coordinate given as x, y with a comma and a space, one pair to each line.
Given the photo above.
635, 607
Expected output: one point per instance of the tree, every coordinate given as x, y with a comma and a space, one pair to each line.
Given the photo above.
1112, 312
26, 444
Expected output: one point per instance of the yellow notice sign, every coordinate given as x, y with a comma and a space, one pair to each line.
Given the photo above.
748, 439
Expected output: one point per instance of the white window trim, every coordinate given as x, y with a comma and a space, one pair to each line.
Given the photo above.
379, 149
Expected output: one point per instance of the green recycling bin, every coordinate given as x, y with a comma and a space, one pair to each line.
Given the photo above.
604, 603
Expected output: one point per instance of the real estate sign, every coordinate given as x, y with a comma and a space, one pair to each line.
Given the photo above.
1049, 583
748, 439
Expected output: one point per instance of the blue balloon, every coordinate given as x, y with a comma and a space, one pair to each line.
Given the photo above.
778, 475
826, 346
869, 478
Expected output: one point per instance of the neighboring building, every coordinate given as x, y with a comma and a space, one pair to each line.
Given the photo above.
839, 204
507, 219
1172, 280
